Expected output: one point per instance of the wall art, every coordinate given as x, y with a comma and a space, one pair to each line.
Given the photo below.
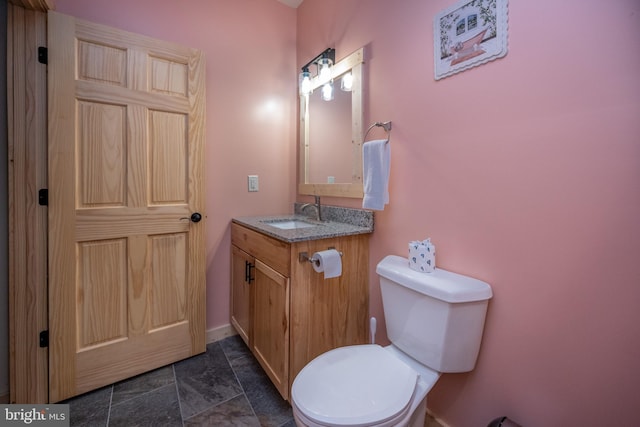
468, 34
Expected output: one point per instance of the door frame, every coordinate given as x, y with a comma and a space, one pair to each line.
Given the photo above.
27, 152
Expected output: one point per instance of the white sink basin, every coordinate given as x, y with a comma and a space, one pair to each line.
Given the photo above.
290, 224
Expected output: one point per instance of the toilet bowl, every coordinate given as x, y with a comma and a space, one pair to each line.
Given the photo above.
434, 322
363, 385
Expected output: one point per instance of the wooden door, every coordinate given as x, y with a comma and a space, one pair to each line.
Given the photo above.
242, 265
126, 263
271, 325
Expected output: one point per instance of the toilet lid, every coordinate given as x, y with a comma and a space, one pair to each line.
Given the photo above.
355, 385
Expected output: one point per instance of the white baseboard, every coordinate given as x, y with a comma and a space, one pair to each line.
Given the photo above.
220, 332
436, 419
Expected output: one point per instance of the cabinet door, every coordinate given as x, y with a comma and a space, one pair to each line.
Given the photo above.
271, 325
241, 282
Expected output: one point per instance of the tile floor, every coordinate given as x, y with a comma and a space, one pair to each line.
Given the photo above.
223, 387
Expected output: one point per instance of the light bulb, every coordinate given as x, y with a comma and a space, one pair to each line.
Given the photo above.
324, 69
347, 82
327, 92
305, 82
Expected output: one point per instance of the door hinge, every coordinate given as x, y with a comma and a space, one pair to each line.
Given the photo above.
43, 197
44, 339
43, 55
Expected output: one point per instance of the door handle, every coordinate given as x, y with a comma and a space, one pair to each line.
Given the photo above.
195, 217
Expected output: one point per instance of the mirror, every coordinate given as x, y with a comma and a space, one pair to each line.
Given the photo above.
331, 135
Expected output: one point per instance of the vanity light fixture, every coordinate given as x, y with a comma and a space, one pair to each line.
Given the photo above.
323, 62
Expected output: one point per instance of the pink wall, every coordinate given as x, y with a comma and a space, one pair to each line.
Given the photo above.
251, 106
525, 172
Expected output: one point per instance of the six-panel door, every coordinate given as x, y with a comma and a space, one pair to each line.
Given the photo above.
126, 263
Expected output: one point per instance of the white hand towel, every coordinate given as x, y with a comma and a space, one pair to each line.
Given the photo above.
376, 159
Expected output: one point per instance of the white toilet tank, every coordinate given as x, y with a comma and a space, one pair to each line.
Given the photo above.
436, 318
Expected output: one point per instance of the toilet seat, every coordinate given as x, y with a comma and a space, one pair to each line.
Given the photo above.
359, 385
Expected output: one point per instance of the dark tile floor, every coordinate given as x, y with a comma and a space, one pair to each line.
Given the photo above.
223, 387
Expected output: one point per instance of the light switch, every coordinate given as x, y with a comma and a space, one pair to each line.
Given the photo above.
253, 182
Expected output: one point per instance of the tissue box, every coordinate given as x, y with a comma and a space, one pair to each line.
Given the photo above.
422, 256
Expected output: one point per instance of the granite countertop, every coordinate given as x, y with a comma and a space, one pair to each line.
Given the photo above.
337, 222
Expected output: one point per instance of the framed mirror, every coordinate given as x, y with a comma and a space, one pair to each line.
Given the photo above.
331, 134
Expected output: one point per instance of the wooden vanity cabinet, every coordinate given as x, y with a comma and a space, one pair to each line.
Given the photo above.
286, 312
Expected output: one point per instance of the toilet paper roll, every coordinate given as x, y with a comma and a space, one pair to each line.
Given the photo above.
329, 262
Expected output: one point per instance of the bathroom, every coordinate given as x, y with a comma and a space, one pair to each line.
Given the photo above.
524, 171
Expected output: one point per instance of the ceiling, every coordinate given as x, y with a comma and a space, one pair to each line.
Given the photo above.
291, 3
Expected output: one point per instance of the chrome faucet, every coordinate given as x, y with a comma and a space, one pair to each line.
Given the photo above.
315, 205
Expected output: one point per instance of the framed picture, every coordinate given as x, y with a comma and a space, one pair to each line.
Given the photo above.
468, 34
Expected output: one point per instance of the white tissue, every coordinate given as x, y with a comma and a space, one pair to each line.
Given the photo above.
329, 262
422, 256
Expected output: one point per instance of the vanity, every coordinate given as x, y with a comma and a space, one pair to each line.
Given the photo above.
284, 310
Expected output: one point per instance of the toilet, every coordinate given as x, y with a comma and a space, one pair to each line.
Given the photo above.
434, 322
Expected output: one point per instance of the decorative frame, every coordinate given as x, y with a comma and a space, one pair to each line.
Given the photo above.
468, 34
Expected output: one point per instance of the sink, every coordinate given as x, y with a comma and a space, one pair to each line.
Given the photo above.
290, 224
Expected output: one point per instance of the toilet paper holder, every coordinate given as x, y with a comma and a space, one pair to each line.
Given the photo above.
304, 256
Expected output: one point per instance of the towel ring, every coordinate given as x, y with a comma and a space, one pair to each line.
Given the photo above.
385, 125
